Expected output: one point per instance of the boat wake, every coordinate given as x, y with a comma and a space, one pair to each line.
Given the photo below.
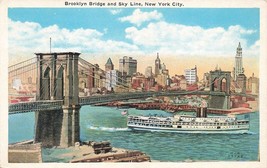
251, 133
109, 129
196, 132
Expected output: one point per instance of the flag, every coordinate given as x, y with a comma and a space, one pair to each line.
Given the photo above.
125, 112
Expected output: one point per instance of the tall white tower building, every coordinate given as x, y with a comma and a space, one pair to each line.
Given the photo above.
238, 69
157, 65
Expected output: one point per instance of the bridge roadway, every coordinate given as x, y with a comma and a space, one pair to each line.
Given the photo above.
57, 104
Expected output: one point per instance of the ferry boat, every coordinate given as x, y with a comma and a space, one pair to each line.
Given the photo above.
189, 124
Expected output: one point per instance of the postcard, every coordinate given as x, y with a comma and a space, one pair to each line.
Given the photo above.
116, 83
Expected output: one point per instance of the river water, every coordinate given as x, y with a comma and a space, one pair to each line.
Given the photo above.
106, 123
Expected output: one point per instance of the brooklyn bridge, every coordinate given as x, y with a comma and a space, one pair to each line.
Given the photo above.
57, 102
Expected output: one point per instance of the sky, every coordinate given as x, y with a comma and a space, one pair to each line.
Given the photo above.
183, 37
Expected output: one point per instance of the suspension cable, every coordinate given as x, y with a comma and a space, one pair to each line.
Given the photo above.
105, 72
89, 74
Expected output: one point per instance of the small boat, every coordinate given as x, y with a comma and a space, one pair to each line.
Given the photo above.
189, 124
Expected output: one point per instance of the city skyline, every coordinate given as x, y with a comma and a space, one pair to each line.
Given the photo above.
177, 67
182, 42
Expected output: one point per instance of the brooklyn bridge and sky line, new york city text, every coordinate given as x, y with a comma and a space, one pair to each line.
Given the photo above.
123, 4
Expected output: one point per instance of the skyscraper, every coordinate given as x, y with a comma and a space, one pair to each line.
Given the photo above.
191, 75
148, 72
109, 65
112, 79
253, 84
127, 66
157, 65
238, 69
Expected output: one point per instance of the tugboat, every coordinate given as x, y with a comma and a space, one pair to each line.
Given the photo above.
189, 124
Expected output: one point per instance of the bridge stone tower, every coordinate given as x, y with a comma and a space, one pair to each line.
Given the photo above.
220, 84
57, 79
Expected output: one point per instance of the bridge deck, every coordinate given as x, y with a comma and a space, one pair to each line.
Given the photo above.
57, 104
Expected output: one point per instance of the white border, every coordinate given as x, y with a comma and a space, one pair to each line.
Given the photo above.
4, 4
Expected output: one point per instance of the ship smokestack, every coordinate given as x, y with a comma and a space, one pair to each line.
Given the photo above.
202, 112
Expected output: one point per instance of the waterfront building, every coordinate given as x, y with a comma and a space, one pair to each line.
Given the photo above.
241, 81
127, 81
17, 84
168, 81
141, 82
191, 75
179, 81
30, 80
157, 88
98, 75
253, 84
238, 69
183, 84
148, 72
21, 92
149, 83
109, 65
113, 79
161, 79
102, 82
127, 66
157, 65
91, 80
138, 81
83, 83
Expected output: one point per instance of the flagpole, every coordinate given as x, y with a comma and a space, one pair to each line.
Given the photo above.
50, 44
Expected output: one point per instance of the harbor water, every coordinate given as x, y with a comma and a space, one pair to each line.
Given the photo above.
107, 124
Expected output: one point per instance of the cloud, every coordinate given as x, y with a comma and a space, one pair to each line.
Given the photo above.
31, 37
27, 38
115, 11
138, 17
254, 49
191, 40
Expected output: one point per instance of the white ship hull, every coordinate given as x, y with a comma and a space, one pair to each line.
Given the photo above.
188, 124
188, 130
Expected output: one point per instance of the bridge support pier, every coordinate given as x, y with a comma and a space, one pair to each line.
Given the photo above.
70, 132
48, 127
58, 127
220, 102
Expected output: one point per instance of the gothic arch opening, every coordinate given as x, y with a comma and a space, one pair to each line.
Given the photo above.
215, 84
60, 84
223, 84
45, 90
